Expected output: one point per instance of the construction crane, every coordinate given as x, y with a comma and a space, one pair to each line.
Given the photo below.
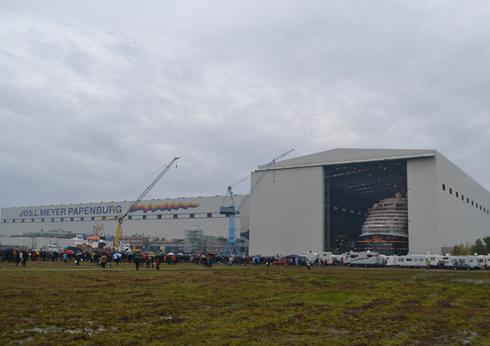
133, 205
230, 211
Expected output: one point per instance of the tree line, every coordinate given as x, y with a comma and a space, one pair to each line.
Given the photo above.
480, 247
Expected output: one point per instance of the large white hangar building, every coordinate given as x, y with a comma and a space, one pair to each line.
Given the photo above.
396, 201
163, 218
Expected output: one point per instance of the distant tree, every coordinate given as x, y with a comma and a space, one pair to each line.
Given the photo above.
487, 245
478, 248
461, 250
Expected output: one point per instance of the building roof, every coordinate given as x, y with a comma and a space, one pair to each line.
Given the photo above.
344, 155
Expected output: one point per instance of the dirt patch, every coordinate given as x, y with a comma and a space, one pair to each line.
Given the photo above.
444, 304
368, 306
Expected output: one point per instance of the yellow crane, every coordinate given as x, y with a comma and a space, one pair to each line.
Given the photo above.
133, 205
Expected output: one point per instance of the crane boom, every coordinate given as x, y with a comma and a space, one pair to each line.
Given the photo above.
230, 211
139, 199
259, 179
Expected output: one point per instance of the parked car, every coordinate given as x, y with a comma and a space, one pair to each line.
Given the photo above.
465, 263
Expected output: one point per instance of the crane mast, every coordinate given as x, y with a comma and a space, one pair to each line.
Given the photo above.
133, 205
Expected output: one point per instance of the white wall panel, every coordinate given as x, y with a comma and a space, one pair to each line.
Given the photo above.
20, 219
460, 221
286, 211
422, 206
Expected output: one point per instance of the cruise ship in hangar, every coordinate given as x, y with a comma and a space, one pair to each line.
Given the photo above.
385, 229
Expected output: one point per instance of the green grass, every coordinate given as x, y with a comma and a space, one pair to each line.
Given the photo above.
47, 303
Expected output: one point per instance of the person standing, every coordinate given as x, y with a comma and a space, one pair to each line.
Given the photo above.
137, 260
24, 257
157, 263
17, 257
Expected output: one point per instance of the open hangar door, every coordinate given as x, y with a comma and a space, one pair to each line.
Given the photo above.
366, 207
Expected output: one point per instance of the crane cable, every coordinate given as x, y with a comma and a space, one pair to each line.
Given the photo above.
151, 175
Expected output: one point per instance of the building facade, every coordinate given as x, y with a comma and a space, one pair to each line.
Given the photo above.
320, 202
162, 218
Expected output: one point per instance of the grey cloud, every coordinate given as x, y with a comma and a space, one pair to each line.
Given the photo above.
94, 96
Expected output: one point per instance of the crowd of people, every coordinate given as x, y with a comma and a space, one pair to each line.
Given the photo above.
108, 257
141, 259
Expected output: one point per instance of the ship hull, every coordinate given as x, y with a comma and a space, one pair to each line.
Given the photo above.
383, 243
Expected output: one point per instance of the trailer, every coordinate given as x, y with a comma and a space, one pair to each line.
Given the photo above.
487, 261
446, 261
329, 258
413, 261
482, 261
365, 259
392, 261
434, 261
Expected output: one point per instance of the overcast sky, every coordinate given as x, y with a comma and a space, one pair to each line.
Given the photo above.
97, 95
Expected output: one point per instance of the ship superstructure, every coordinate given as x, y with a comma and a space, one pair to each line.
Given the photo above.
386, 227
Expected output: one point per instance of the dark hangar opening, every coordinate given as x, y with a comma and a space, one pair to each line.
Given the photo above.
351, 191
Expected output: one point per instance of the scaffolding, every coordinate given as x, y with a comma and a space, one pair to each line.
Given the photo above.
194, 241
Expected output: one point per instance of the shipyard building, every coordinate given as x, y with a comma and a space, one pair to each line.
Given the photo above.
386, 200
393, 201
160, 218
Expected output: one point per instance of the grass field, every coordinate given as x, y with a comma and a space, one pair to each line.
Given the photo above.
55, 304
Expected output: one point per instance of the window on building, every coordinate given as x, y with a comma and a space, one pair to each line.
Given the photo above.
72, 219
462, 197
144, 217
23, 220
52, 219
81, 219
62, 219
480, 206
13, 220
450, 190
42, 220
92, 218
191, 216
32, 220
472, 203
457, 195
115, 217
210, 215
159, 216
103, 217
443, 187
467, 200
130, 217
176, 216
4, 220
476, 205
